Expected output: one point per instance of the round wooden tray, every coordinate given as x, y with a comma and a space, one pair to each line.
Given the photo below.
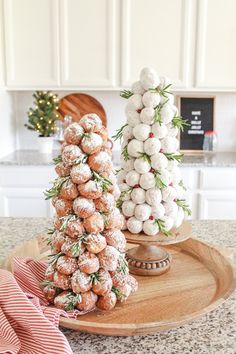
202, 278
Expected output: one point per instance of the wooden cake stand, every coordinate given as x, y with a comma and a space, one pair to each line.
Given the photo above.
150, 259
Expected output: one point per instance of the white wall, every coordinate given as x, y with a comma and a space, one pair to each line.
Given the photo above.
7, 123
225, 117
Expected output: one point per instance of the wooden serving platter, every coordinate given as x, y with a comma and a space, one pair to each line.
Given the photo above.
202, 277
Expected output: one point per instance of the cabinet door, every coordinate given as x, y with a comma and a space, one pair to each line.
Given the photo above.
31, 37
219, 205
216, 50
157, 33
88, 43
2, 72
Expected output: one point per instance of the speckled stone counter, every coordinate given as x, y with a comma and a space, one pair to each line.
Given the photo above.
33, 158
214, 333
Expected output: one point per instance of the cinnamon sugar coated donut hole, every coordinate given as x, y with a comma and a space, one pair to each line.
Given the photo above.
108, 258
107, 302
49, 272
88, 301
80, 282
91, 122
71, 154
90, 190
74, 228
66, 265
63, 207
62, 169
69, 190
88, 263
72, 248
94, 223
105, 203
103, 284
103, 134
91, 143
116, 239
100, 162
57, 222
83, 207
49, 293
73, 133
62, 281
80, 173
57, 240
114, 220
61, 301
95, 243
63, 145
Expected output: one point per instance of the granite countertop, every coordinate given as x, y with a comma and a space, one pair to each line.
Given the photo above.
214, 333
34, 158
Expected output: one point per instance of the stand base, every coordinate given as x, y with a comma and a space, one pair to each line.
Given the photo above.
148, 260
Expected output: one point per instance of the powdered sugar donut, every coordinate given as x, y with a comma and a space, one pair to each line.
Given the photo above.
142, 212
91, 123
61, 281
128, 208
138, 195
63, 207
125, 188
176, 175
88, 263
133, 117
68, 190
168, 194
169, 144
137, 88
159, 130
95, 243
90, 190
101, 161
132, 178
172, 131
105, 203
141, 131
83, 207
149, 78
108, 258
142, 166
66, 265
62, 169
158, 211
72, 154
147, 180
127, 132
153, 196
127, 165
179, 217
150, 228
167, 113
152, 146
165, 176
80, 282
73, 133
171, 208
87, 301
91, 143
94, 223
103, 284
136, 101
135, 147
168, 222
147, 115
116, 239
121, 176
151, 99
159, 161
81, 173
134, 225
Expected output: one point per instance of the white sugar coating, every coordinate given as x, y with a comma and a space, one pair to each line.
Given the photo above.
168, 222
109, 258
91, 142
149, 78
135, 147
159, 130
125, 188
132, 178
153, 196
116, 192
124, 143
147, 115
124, 226
179, 217
127, 165
83, 205
172, 131
169, 144
167, 113
179, 190
142, 212
102, 156
165, 176
141, 166
151, 99
91, 122
80, 173
175, 175
73, 133
121, 176
165, 81
168, 194
127, 132
158, 211
150, 228
159, 161
152, 146
92, 186
138, 195
141, 131
172, 164
71, 153
137, 88
136, 101
134, 225
171, 208
133, 117
128, 208
147, 180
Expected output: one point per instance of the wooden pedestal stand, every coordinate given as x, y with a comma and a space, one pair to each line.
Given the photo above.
150, 259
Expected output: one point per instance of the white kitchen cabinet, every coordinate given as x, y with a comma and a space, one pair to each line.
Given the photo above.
32, 45
88, 43
217, 205
157, 33
216, 50
2, 66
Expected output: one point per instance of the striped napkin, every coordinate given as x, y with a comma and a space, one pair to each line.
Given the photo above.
27, 324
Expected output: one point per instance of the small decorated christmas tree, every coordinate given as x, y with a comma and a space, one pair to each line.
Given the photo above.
43, 116
150, 181
88, 269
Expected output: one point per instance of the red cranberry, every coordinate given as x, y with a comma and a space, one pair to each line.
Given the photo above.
152, 170
136, 186
151, 217
124, 181
175, 200
161, 150
151, 135
139, 110
171, 184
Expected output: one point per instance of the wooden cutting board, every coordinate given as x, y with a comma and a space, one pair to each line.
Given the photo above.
78, 104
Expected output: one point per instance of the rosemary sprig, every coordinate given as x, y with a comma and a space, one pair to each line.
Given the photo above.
122, 266
117, 171
102, 181
119, 133
171, 156
118, 293
161, 225
144, 156
49, 239
165, 91
157, 115
82, 159
95, 277
121, 197
182, 204
71, 301
55, 257
125, 153
57, 159
180, 123
181, 184
126, 94
158, 181
66, 219
55, 190
76, 247
87, 135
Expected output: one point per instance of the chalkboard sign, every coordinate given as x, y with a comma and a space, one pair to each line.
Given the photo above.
199, 112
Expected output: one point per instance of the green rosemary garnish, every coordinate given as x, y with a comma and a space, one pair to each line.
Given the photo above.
158, 182
126, 94
144, 156
55, 190
125, 153
76, 249
121, 197
157, 116
103, 182
72, 300
161, 225
165, 91
182, 204
171, 156
55, 257
118, 293
57, 159
117, 171
51, 231
180, 123
66, 219
122, 266
82, 159
95, 277
119, 133
87, 135
45, 283
181, 184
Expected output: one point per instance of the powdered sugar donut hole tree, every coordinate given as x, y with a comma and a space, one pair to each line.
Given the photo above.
87, 270
150, 181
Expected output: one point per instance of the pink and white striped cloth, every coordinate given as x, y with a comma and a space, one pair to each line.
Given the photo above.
27, 324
